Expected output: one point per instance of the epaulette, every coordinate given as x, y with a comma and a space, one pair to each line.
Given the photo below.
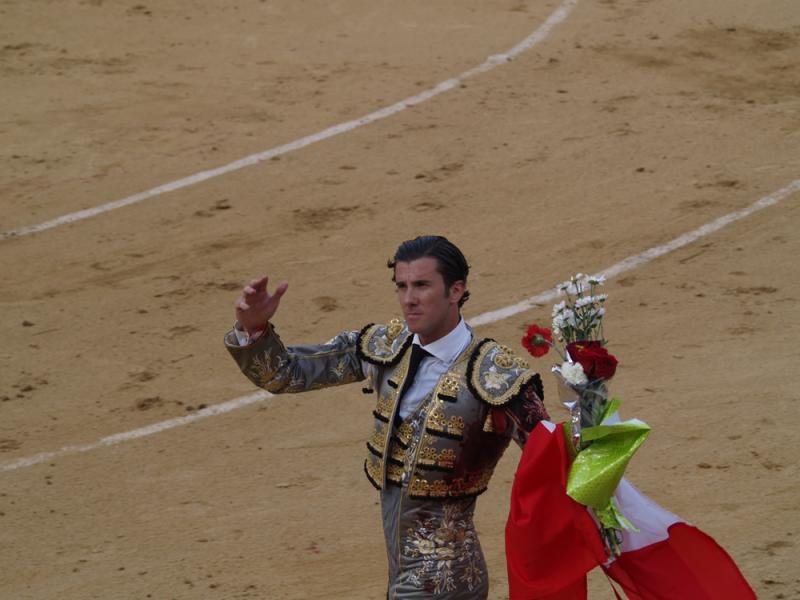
383, 345
496, 376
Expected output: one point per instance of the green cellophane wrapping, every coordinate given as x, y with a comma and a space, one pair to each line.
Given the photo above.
598, 467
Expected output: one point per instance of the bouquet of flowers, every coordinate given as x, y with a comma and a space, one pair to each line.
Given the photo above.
603, 444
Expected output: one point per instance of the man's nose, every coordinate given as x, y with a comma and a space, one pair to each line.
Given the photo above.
408, 297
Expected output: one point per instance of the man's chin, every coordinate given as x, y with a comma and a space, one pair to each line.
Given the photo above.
413, 323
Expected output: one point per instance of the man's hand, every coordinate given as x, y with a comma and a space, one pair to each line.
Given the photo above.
255, 307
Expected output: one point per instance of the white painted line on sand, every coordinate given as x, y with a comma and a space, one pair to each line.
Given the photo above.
639, 259
483, 319
490, 63
111, 440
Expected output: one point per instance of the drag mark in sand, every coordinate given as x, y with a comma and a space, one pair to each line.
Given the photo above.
490, 63
624, 265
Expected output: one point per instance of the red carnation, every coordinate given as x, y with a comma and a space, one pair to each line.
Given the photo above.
537, 340
597, 363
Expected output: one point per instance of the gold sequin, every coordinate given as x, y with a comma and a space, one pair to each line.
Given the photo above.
394, 473
503, 360
521, 363
443, 488
374, 468
404, 433
378, 439
430, 457
449, 385
439, 423
384, 407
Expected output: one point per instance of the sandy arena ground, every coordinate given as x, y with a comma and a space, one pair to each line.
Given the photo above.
632, 123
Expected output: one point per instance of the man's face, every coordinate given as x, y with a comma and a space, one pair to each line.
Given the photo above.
430, 309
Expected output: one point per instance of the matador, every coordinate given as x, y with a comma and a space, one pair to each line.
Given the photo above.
447, 406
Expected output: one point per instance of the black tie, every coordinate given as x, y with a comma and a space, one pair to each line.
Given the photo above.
417, 354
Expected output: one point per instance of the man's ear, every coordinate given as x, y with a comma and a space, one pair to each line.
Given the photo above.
456, 291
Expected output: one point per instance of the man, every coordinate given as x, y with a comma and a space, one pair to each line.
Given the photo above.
447, 406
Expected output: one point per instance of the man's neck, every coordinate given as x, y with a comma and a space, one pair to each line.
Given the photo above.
429, 340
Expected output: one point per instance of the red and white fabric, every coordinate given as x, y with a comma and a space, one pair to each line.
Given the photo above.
552, 542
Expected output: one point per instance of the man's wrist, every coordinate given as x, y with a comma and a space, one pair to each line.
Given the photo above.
248, 336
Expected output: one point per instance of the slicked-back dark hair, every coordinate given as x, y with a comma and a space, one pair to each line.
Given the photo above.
450, 261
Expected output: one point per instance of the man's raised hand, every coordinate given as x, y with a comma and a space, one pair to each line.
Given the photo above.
256, 306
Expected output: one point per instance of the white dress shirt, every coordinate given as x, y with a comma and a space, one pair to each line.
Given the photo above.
444, 352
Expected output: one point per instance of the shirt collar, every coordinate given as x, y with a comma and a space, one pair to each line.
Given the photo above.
447, 348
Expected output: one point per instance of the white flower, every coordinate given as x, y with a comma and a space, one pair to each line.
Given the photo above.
557, 308
597, 280
573, 373
584, 301
569, 317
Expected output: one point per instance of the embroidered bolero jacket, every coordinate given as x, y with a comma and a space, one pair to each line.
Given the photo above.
485, 399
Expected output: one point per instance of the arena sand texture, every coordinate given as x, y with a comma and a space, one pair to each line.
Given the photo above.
632, 123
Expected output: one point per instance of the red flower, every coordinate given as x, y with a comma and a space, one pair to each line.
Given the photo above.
597, 363
537, 340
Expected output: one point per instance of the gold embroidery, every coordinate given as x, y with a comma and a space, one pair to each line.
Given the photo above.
449, 385
394, 328
494, 384
394, 473
404, 433
374, 468
438, 422
447, 458
442, 488
521, 363
456, 425
398, 453
400, 374
378, 439
262, 369
384, 407
339, 369
382, 343
494, 380
488, 425
444, 459
383, 346
427, 456
503, 360
436, 418
448, 546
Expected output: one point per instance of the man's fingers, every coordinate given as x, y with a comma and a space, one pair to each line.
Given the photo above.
281, 289
241, 304
260, 284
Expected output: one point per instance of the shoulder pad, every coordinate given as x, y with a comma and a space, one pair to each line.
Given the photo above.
496, 376
383, 345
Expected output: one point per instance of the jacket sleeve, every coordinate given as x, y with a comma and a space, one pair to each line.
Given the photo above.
525, 411
280, 369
